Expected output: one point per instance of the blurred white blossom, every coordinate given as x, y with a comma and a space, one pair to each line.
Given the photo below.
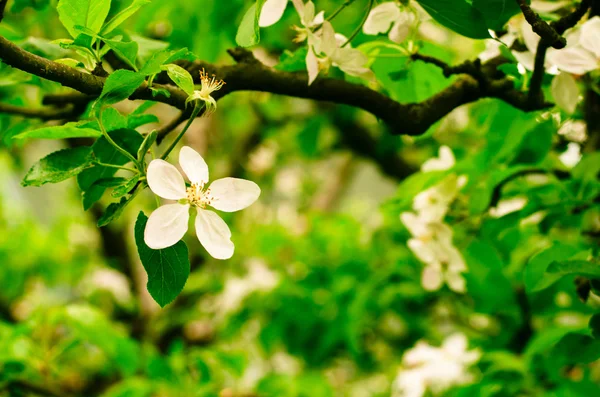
426, 368
401, 19
582, 53
444, 161
572, 155
565, 92
507, 206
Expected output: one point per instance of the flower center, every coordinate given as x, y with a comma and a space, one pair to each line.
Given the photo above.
197, 196
209, 84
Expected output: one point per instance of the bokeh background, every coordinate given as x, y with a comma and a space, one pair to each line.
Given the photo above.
322, 297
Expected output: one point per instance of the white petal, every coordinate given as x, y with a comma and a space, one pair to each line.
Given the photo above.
425, 252
165, 180
590, 36
576, 60
214, 235
318, 19
565, 92
402, 27
193, 165
456, 282
308, 14
547, 6
233, 194
271, 12
525, 58
312, 66
415, 225
167, 225
380, 18
431, 278
572, 155
328, 39
530, 38
443, 162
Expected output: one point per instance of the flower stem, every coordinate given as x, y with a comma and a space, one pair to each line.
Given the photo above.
340, 9
197, 108
121, 167
112, 142
359, 27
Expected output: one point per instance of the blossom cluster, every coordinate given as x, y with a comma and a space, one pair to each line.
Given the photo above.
427, 368
431, 240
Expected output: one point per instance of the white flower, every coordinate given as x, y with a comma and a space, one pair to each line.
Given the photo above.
168, 224
209, 84
432, 245
574, 130
308, 19
435, 369
565, 92
387, 15
445, 161
572, 155
271, 12
582, 53
327, 50
433, 203
531, 39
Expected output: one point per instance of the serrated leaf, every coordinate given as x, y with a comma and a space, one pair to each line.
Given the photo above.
114, 211
580, 267
122, 16
181, 77
59, 166
127, 51
88, 13
125, 187
167, 269
119, 86
535, 271
69, 130
104, 152
135, 121
165, 57
147, 144
459, 16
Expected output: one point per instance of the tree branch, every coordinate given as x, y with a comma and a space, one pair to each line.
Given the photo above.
251, 75
541, 27
2, 7
40, 113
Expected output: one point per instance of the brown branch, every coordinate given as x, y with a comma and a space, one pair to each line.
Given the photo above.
49, 113
541, 27
251, 75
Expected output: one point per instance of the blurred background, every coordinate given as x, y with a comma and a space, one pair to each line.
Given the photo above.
322, 297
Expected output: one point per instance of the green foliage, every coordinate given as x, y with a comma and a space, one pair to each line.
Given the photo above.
248, 33
168, 269
181, 77
458, 15
119, 86
497, 12
68, 130
88, 13
59, 166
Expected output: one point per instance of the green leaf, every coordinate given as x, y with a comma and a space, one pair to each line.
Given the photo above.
167, 269
497, 12
576, 348
110, 182
58, 166
104, 152
248, 33
570, 267
125, 187
181, 77
136, 120
153, 66
595, 325
119, 86
127, 51
69, 130
534, 275
459, 16
148, 142
88, 13
114, 211
122, 16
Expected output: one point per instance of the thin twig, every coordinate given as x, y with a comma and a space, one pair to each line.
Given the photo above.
39, 113
541, 27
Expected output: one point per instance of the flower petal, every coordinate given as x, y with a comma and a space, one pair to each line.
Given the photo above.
328, 40
565, 92
271, 12
193, 165
167, 225
165, 180
432, 278
590, 36
214, 234
576, 60
233, 194
381, 17
312, 66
